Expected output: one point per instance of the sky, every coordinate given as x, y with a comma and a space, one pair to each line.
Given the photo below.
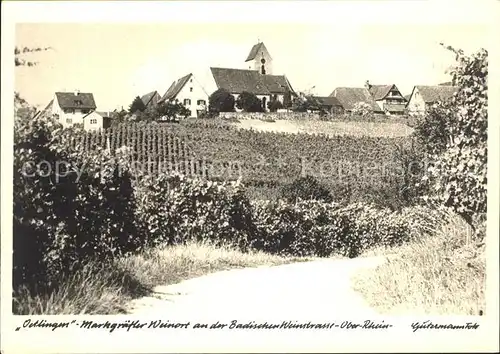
118, 61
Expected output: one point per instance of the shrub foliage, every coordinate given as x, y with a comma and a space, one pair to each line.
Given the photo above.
68, 207
455, 135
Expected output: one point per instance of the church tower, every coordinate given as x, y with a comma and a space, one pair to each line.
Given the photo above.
259, 59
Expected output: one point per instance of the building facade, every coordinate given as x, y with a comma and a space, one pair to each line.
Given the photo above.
422, 97
72, 108
390, 100
188, 91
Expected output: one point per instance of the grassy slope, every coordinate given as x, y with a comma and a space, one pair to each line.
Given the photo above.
372, 129
439, 274
106, 289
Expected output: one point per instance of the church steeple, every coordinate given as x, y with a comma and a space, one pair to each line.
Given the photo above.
259, 59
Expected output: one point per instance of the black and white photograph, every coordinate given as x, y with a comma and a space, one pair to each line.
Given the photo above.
253, 173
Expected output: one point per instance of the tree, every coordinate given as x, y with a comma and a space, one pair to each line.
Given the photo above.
172, 110
287, 98
249, 102
18, 61
457, 176
274, 105
137, 105
432, 129
305, 103
221, 101
119, 117
362, 109
305, 188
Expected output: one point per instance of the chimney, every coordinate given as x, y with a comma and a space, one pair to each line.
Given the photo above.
367, 85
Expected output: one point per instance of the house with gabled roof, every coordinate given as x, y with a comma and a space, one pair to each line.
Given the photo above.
151, 99
188, 91
71, 108
388, 97
422, 97
349, 97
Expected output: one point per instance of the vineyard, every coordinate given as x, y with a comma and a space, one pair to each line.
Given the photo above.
356, 165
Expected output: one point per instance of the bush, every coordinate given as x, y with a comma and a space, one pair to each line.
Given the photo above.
221, 101
249, 102
362, 109
274, 105
302, 229
305, 188
62, 218
173, 210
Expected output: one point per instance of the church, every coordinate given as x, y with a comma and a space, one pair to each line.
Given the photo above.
258, 79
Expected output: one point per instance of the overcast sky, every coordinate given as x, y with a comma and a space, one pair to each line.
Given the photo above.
118, 61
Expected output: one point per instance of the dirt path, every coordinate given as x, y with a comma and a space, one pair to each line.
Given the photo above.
310, 289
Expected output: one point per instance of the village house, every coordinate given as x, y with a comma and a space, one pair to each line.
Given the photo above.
151, 99
71, 108
349, 97
422, 97
188, 91
388, 97
330, 104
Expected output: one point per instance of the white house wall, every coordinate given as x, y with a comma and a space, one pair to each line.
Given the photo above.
69, 119
416, 104
193, 91
94, 121
256, 64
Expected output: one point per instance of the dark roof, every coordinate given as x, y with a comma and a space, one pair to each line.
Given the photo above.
47, 111
349, 96
175, 88
146, 99
80, 100
49, 105
239, 80
328, 101
276, 83
379, 91
431, 94
255, 50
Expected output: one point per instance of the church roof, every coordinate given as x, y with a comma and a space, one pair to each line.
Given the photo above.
239, 80
255, 50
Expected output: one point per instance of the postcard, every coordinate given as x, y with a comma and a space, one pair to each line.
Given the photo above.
278, 176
